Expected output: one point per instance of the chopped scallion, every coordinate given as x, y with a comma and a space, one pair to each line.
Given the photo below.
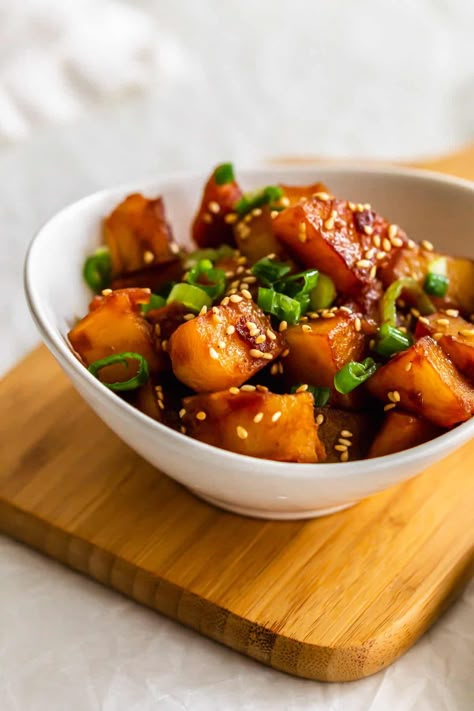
193, 297
281, 306
133, 383
224, 173
210, 280
298, 285
212, 254
268, 271
353, 374
436, 284
156, 302
320, 394
391, 340
394, 291
97, 269
266, 196
323, 294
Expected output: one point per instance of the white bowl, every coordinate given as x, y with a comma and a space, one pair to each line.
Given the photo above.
427, 205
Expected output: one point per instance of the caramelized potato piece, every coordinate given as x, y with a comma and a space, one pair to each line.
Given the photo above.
219, 349
339, 428
136, 296
427, 384
415, 262
338, 240
154, 277
401, 431
295, 193
454, 335
114, 326
265, 425
138, 235
212, 225
146, 400
255, 236
319, 348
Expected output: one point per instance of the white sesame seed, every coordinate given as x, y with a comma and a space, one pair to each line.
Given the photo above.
201, 415
283, 326
148, 257
373, 272
328, 314
302, 232
248, 388
392, 231
411, 244
344, 456
207, 218
357, 324
467, 332
235, 298
249, 279
174, 248
276, 416
285, 353
426, 244
274, 213
377, 241
306, 328
409, 366
386, 244
340, 447
182, 412
363, 264
246, 294
274, 369
302, 388
346, 442
258, 417
213, 353
203, 310
397, 241
261, 338
182, 429
346, 433
423, 319
319, 419
267, 356
164, 345
213, 207
368, 229
106, 292
389, 406
452, 312
442, 321
230, 330
270, 335
241, 432
221, 344
329, 224
230, 218
322, 196
234, 391
161, 404
436, 336
285, 201
256, 212
240, 269
187, 317
255, 353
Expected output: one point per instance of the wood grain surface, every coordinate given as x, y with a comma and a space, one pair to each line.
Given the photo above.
333, 599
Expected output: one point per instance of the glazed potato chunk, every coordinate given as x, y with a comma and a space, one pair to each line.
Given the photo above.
346, 436
153, 277
319, 348
114, 326
138, 235
213, 223
454, 335
427, 384
224, 347
259, 424
293, 194
255, 236
338, 240
401, 431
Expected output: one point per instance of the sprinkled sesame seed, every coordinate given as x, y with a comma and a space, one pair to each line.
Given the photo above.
344, 456
302, 232
423, 319
442, 321
276, 416
367, 206
213, 207
436, 336
329, 224
306, 328
386, 244
148, 257
468, 332
274, 213
182, 429
377, 241
207, 218
283, 326
409, 366
347, 442
161, 403
270, 335
235, 298
243, 230
426, 244
389, 406
256, 212
340, 447
164, 345
368, 229
229, 274
249, 279
230, 218
322, 196
302, 388
246, 294
234, 284
411, 244
363, 264
251, 325
242, 260
261, 338
373, 272
372, 344
346, 433
274, 369
414, 312
201, 415
255, 353
328, 314
182, 412
174, 248
285, 201
452, 312
106, 292
357, 324
234, 391
241, 432
267, 356
397, 241
221, 344
392, 231
225, 301
203, 310
240, 269
230, 330
285, 353
213, 353
258, 417
248, 388
319, 419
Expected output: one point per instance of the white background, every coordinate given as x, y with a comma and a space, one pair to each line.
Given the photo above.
94, 92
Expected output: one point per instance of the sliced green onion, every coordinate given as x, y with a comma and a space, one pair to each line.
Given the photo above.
224, 173
156, 302
210, 280
137, 381
436, 284
298, 285
193, 297
268, 271
354, 374
97, 269
323, 294
391, 340
212, 254
320, 394
394, 291
266, 196
280, 305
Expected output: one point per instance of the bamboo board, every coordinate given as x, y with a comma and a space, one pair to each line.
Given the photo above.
333, 599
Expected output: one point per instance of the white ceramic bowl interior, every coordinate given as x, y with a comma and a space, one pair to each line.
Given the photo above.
427, 205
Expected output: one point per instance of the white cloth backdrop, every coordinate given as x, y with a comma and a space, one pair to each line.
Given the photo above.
95, 92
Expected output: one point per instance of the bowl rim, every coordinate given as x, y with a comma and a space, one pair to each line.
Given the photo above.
57, 344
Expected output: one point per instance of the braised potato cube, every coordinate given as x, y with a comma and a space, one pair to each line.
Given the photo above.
295, 193
114, 326
222, 348
415, 262
265, 425
136, 296
426, 383
146, 400
213, 224
255, 237
401, 431
339, 239
138, 235
350, 432
154, 277
454, 335
319, 348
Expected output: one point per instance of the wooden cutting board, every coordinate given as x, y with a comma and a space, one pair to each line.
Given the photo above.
333, 599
